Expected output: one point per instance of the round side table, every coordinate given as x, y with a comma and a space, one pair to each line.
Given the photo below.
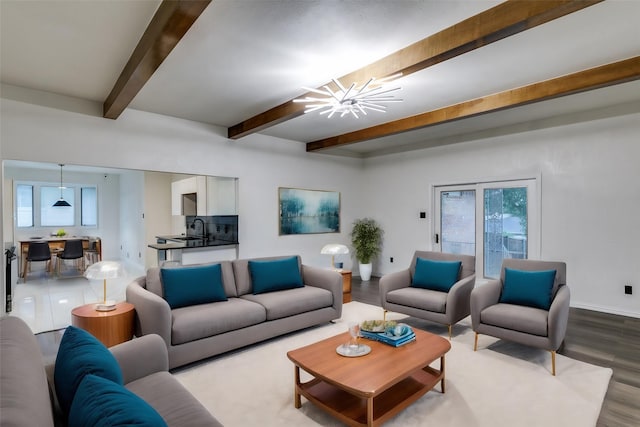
110, 327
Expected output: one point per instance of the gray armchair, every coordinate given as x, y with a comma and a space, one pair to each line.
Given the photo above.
523, 324
397, 293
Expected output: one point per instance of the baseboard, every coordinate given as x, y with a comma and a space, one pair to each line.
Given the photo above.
603, 309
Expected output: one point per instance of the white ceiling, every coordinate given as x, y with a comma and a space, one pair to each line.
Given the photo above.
242, 57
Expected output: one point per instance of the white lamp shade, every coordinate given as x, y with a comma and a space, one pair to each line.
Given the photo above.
334, 249
104, 270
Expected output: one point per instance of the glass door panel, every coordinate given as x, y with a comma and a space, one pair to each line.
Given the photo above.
501, 217
458, 222
505, 227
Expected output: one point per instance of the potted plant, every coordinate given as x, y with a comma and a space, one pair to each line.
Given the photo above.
366, 238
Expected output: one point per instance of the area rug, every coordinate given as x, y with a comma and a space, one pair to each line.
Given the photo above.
502, 384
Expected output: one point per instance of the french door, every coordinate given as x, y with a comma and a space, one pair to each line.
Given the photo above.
491, 220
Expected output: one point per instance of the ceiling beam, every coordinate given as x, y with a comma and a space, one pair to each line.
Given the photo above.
167, 27
499, 22
582, 81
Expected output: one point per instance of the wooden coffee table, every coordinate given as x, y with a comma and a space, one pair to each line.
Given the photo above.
368, 390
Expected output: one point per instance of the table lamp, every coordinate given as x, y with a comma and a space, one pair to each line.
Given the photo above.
104, 270
334, 249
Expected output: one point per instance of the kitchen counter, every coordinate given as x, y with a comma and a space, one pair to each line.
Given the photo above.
187, 242
192, 249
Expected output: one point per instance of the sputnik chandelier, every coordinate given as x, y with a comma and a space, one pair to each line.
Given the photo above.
352, 100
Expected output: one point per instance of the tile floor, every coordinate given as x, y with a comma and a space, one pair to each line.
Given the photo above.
45, 301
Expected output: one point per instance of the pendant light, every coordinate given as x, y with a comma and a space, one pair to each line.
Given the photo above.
62, 202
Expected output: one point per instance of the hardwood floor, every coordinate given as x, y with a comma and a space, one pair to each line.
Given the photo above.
598, 338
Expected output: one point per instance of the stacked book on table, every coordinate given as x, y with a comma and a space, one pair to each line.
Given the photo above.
394, 337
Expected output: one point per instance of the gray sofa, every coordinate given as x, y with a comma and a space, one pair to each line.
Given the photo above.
27, 391
199, 331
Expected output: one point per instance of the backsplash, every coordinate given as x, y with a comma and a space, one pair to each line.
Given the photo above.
220, 227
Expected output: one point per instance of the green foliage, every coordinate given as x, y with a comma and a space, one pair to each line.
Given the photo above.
366, 238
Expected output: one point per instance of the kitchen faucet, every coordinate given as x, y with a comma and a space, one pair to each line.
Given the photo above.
204, 228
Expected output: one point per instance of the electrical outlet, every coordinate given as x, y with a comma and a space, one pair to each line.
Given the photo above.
391, 259
628, 289
423, 215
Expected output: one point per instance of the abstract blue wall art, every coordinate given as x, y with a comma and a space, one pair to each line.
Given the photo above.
308, 211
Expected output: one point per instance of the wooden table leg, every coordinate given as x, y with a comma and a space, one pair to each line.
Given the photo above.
442, 370
370, 411
297, 402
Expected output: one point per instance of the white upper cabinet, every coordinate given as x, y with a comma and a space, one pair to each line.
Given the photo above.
222, 196
178, 189
204, 195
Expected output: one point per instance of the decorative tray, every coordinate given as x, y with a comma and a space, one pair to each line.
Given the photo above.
347, 351
377, 326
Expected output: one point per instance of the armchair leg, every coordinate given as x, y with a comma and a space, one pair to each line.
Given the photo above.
449, 327
475, 343
553, 363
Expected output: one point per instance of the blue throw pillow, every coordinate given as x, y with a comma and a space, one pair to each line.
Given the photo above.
79, 354
185, 286
275, 275
103, 403
436, 275
530, 288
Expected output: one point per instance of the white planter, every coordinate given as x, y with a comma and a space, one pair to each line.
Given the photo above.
365, 271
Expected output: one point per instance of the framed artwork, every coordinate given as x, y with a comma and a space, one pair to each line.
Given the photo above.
308, 211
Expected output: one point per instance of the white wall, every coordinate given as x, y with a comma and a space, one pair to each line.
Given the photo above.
589, 176
157, 212
144, 141
590, 200
132, 234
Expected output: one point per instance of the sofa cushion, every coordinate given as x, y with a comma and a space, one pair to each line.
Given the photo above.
290, 302
424, 299
436, 275
206, 320
187, 286
275, 275
530, 288
516, 317
173, 402
242, 275
79, 354
153, 282
103, 403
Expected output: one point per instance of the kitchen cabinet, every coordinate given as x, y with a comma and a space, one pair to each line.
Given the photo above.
221, 196
189, 196
204, 195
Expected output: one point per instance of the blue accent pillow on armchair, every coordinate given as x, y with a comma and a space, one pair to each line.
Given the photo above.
530, 288
103, 403
79, 354
275, 275
436, 275
185, 286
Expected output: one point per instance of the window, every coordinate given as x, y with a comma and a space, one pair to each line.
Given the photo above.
40, 197
56, 216
492, 220
24, 205
89, 208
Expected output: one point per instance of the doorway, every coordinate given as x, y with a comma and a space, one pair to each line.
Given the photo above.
491, 220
